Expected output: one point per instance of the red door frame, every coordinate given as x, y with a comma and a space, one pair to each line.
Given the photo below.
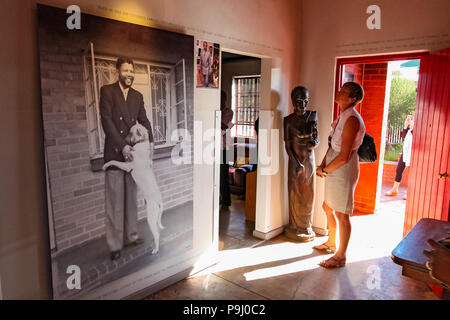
365, 190
340, 62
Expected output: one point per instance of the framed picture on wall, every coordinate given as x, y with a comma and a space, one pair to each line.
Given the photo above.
117, 103
208, 64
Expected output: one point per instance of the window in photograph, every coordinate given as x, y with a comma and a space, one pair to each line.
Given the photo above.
245, 104
163, 90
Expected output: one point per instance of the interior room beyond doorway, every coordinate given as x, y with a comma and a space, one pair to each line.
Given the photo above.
241, 83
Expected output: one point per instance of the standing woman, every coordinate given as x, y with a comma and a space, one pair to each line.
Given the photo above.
407, 148
405, 158
340, 168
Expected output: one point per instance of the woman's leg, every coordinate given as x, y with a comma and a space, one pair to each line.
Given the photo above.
345, 229
331, 226
400, 169
398, 177
394, 189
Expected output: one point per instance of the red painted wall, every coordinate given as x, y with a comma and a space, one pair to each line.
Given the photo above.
373, 79
371, 109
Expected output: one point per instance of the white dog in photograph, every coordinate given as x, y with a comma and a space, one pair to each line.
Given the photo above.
142, 173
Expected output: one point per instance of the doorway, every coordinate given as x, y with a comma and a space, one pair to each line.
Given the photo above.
241, 85
390, 83
428, 188
401, 97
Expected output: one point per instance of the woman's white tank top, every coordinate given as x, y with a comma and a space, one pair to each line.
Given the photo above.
337, 127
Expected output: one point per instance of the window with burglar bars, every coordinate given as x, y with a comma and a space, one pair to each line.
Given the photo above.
245, 104
163, 90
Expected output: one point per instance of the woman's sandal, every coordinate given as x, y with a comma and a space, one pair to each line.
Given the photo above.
328, 249
338, 263
391, 194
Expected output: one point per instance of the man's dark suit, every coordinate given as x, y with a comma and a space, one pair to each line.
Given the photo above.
118, 116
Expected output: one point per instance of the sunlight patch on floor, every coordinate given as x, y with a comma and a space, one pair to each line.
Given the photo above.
373, 236
376, 235
239, 258
302, 265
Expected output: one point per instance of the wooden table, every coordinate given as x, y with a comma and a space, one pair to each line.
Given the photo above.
409, 252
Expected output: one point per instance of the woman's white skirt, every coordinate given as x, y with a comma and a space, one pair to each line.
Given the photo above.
340, 184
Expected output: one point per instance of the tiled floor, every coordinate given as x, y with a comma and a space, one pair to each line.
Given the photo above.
250, 268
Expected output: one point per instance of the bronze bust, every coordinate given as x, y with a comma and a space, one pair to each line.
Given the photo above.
301, 137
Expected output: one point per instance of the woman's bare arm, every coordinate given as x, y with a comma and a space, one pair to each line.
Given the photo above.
322, 164
351, 128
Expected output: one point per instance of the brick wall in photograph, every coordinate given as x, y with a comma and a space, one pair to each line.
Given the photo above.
77, 193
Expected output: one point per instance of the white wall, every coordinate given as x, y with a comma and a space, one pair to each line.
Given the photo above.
265, 28
337, 28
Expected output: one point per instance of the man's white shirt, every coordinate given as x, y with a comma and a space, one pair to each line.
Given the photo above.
124, 91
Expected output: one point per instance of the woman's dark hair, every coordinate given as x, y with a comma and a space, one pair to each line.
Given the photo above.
355, 90
122, 60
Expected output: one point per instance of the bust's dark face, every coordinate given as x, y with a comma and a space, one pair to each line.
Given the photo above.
300, 101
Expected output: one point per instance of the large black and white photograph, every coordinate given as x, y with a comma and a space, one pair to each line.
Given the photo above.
117, 103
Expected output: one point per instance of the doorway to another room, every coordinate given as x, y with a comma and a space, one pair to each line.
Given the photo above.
241, 84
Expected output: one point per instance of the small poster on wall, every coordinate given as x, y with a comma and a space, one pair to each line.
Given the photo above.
208, 64
117, 100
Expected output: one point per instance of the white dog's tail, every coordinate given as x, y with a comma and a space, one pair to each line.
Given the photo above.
160, 215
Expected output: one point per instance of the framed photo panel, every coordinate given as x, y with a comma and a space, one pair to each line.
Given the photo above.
208, 64
117, 103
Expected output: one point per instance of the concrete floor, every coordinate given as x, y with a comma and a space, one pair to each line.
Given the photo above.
250, 268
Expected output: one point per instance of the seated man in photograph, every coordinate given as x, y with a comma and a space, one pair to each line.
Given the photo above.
120, 107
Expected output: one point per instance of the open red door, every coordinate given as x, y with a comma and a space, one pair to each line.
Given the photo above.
428, 184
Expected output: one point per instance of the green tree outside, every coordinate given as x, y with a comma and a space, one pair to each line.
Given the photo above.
402, 101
